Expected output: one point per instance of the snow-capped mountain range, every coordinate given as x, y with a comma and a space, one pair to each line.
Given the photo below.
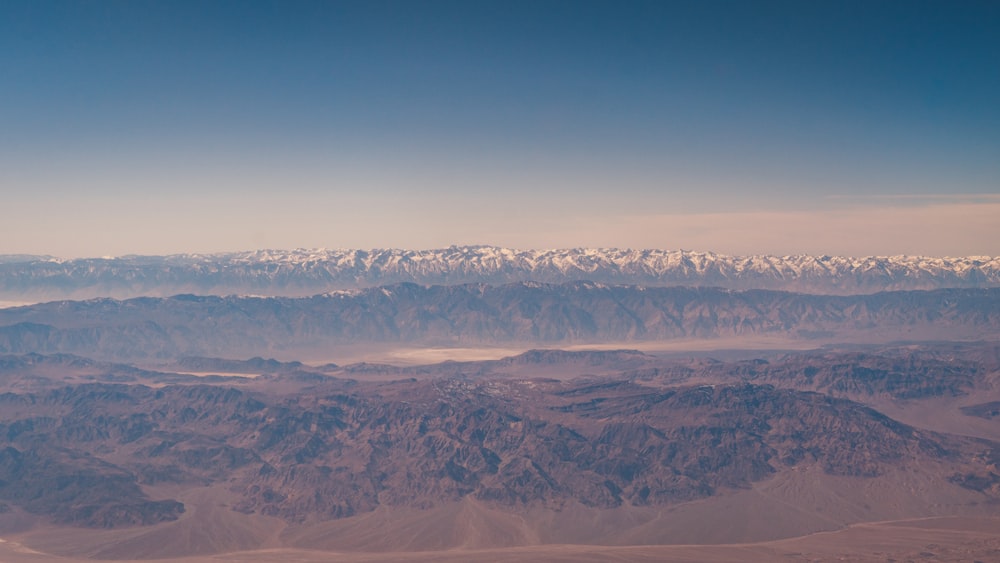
306, 272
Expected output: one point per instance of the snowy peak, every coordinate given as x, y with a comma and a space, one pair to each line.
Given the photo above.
303, 272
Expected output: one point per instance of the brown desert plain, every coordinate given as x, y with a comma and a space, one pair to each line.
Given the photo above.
842, 453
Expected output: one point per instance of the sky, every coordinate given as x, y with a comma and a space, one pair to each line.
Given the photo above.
739, 127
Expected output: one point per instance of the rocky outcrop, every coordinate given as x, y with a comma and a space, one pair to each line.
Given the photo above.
331, 451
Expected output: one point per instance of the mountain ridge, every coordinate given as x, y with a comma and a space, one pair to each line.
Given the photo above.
548, 447
480, 314
303, 272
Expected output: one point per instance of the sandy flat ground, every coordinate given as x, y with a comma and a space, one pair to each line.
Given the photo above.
418, 355
951, 539
726, 528
246, 375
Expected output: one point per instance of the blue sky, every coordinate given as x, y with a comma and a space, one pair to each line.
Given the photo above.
738, 127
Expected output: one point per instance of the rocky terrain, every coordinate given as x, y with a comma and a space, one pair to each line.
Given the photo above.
299, 273
621, 448
192, 426
525, 314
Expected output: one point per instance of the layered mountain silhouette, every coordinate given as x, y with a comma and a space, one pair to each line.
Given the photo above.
163, 426
521, 313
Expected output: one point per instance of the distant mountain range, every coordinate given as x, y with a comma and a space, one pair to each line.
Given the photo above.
299, 273
526, 313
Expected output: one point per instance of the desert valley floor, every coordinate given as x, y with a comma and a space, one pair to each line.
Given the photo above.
846, 452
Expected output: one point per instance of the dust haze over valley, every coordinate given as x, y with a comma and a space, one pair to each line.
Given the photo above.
509, 419
515, 421
499, 281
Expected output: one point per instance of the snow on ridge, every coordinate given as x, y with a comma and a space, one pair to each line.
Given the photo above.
305, 271
656, 258
483, 259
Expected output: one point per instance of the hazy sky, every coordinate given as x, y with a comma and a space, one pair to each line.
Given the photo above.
831, 127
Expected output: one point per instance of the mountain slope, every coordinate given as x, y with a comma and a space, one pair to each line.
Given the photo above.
306, 272
335, 451
482, 455
521, 313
